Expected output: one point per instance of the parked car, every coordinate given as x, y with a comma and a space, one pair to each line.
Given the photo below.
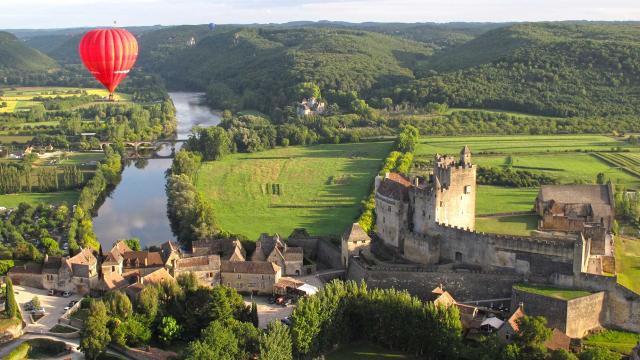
52, 292
66, 294
39, 310
72, 302
28, 306
67, 308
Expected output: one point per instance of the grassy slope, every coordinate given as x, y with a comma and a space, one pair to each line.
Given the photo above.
628, 262
235, 187
508, 225
16, 56
21, 99
618, 341
564, 294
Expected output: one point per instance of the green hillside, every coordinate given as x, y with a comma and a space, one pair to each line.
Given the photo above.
16, 56
549, 69
259, 68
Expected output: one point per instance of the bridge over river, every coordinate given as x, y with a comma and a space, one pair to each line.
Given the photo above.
149, 149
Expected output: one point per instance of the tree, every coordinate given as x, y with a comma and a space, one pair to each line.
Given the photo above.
212, 142
147, 303
118, 304
217, 342
308, 90
188, 281
562, 354
596, 353
408, 139
10, 303
388, 102
275, 344
601, 179
133, 244
36, 302
132, 332
168, 330
95, 336
533, 331
254, 314
186, 162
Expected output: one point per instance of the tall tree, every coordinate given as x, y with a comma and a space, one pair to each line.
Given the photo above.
11, 305
95, 336
275, 344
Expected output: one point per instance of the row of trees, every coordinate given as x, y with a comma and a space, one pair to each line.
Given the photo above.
400, 160
15, 178
512, 178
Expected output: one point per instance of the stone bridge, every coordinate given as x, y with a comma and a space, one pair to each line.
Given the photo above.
153, 146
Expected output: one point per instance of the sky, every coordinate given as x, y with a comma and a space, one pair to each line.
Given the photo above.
16, 14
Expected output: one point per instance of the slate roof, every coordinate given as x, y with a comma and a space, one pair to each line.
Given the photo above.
249, 267
395, 186
576, 194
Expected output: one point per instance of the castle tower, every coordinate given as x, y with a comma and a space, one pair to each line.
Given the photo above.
465, 156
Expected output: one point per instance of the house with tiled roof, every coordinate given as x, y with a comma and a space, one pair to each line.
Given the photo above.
138, 281
144, 261
273, 249
510, 326
170, 251
205, 268
257, 277
227, 249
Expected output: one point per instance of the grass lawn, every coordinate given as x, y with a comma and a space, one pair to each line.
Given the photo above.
628, 262
497, 111
79, 158
498, 199
54, 198
550, 291
508, 225
621, 342
63, 329
319, 188
364, 351
516, 144
8, 139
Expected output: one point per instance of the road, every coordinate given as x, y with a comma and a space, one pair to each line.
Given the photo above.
53, 306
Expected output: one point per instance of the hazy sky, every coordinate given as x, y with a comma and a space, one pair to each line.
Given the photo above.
75, 13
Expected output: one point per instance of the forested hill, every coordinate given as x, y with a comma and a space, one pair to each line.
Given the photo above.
259, 68
16, 56
550, 69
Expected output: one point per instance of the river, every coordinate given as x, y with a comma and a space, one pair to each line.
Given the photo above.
137, 207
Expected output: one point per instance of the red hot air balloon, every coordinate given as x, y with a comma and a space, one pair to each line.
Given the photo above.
109, 54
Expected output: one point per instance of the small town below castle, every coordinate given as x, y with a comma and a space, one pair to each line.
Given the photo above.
455, 181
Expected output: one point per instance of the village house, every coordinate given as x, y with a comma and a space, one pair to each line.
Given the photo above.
206, 268
311, 106
144, 262
354, 241
227, 249
256, 277
138, 281
273, 249
170, 251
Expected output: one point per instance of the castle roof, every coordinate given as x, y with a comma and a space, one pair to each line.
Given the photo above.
356, 233
395, 186
576, 194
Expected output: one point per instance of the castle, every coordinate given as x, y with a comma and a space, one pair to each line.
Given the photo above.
430, 220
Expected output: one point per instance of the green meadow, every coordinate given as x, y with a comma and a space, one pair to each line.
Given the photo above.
53, 198
365, 351
319, 188
21, 98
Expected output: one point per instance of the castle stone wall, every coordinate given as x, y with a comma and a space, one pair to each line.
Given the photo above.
456, 201
464, 286
554, 310
391, 220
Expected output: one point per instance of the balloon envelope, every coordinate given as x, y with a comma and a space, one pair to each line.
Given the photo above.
108, 54
212, 26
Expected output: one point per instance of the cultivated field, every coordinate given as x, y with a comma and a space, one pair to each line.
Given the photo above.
628, 262
318, 187
21, 98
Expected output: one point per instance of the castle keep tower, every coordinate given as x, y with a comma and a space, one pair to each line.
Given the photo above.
447, 197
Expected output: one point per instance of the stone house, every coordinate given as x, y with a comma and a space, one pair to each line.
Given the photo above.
227, 249
510, 326
273, 249
257, 277
145, 262
170, 251
572, 208
205, 268
138, 280
76, 274
354, 241
311, 106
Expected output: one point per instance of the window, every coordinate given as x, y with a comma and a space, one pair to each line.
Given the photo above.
458, 257
467, 189
239, 277
441, 203
113, 268
389, 208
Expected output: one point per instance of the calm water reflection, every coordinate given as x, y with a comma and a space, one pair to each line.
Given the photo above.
138, 205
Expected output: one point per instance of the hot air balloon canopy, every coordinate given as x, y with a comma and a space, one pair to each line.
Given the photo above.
109, 54
212, 26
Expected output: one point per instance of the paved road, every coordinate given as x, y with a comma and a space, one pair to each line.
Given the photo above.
6, 349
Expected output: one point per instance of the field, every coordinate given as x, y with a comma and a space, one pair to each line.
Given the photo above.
495, 199
517, 144
628, 262
364, 351
508, 225
13, 200
621, 342
558, 293
319, 188
21, 98
496, 111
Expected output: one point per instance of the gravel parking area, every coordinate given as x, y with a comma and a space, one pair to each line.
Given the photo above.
269, 312
53, 306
